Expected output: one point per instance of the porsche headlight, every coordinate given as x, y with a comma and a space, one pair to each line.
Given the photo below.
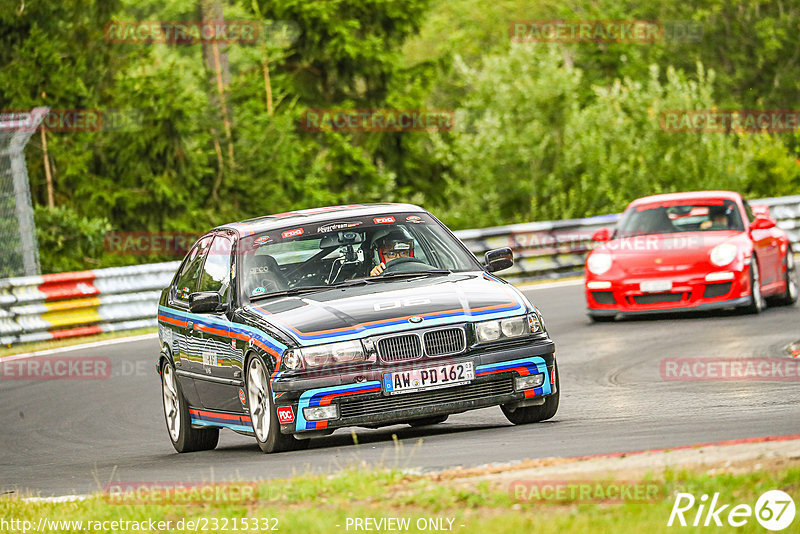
321, 355
723, 254
510, 328
599, 262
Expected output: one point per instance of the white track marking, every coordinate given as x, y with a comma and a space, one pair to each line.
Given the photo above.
531, 286
94, 344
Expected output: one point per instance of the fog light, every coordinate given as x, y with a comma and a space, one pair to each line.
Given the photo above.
320, 413
719, 276
527, 382
599, 285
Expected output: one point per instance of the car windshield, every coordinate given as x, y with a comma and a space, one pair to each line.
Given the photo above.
680, 216
340, 251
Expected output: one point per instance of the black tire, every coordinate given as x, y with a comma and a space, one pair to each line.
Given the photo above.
427, 421
535, 414
267, 429
757, 301
184, 438
789, 296
601, 318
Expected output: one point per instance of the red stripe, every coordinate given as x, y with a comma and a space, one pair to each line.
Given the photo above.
739, 441
217, 415
73, 332
523, 371
170, 320
529, 393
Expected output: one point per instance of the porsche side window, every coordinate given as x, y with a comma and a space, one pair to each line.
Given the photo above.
217, 268
190, 273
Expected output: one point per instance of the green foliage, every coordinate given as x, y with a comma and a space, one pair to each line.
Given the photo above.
68, 241
529, 147
543, 131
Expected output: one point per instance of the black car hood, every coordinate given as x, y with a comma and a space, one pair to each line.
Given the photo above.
340, 314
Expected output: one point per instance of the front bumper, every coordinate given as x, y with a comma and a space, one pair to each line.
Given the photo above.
362, 401
690, 292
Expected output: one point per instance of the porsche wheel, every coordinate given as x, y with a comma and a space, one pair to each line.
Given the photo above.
789, 295
757, 301
535, 414
176, 414
262, 412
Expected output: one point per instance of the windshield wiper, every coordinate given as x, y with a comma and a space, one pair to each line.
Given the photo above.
413, 274
309, 289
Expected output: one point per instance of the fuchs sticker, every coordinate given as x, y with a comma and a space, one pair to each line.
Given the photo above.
292, 233
285, 414
337, 226
383, 220
261, 240
414, 219
242, 398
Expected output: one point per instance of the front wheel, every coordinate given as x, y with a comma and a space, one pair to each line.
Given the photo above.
535, 414
262, 412
757, 302
176, 414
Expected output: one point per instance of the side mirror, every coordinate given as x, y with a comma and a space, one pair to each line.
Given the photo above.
204, 302
602, 234
498, 259
762, 223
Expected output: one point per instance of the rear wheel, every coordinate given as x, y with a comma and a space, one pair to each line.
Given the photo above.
757, 302
176, 414
433, 420
789, 295
262, 412
534, 414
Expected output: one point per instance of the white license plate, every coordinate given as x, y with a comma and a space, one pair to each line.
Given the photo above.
440, 376
655, 286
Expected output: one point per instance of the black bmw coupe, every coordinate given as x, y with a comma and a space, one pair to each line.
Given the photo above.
289, 326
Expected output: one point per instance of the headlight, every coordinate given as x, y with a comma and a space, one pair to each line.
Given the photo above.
506, 328
331, 354
723, 254
598, 262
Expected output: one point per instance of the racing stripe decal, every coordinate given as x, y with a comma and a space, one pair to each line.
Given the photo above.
323, 396
221, 419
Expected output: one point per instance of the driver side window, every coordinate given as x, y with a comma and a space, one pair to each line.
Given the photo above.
186, 282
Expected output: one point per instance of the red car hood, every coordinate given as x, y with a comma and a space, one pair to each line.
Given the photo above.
666, 252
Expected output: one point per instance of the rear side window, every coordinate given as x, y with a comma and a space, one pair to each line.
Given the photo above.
190, 272
217, 268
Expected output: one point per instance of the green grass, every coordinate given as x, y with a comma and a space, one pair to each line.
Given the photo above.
58, 343
318, 503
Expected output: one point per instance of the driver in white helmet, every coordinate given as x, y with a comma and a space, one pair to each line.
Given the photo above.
392, 246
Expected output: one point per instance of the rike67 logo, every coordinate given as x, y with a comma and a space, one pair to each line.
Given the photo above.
774, 510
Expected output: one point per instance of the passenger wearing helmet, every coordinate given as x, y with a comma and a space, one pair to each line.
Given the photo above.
391, 247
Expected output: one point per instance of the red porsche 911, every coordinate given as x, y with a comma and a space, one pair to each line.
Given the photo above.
687, 252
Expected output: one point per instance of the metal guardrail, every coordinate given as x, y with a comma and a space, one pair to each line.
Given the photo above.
555, 249
37, 308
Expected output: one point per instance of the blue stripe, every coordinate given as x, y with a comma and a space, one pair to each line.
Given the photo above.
269, 341
202, 422
391, 325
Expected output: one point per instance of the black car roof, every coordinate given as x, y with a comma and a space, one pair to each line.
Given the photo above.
315, 215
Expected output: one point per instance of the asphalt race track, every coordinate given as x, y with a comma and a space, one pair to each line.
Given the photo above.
72, 436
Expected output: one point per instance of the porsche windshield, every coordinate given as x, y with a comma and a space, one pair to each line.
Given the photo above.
680, 216
307, 257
